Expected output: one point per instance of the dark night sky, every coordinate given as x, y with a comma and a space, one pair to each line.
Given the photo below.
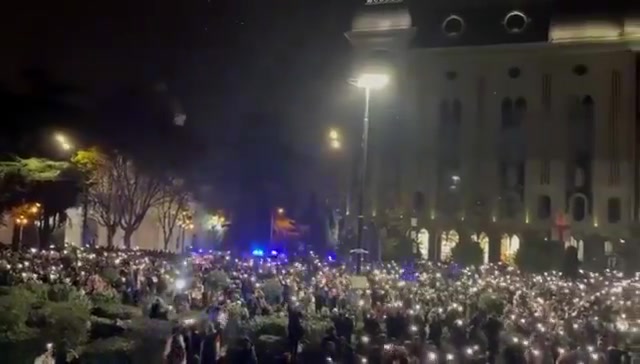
221, 58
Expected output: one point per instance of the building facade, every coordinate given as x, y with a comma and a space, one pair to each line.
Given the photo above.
516, 122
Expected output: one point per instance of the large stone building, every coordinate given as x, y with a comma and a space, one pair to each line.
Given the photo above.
510, 121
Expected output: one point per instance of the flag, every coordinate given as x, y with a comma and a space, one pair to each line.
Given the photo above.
285, 228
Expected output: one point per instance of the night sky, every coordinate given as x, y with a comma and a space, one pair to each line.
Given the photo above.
219, 58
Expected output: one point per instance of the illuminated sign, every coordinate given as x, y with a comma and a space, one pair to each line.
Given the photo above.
380, 2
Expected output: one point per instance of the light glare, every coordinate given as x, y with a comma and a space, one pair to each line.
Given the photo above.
373, 81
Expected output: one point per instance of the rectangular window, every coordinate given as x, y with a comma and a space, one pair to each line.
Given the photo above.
614, 210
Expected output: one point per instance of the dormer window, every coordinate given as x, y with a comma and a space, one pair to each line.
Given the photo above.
453, 26
515, 22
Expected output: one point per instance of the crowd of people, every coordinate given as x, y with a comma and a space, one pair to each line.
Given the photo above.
419, 313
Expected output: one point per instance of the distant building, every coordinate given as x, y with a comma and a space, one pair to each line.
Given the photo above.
148, 236
507, 124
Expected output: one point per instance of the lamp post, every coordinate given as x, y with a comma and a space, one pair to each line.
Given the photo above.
368, 82
21, 221
66, 146
279, 212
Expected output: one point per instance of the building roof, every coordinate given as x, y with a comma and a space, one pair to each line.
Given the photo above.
463, 23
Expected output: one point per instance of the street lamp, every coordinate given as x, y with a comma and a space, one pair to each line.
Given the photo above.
21, 221
64, 144
272, 221
368, 82
334, 139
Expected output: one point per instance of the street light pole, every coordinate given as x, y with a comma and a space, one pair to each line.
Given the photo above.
363, 178
85, 213
368, 82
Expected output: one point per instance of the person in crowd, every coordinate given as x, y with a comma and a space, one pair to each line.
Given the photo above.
492, 328
47, 357
175, 351
209, 346
295, 332
247, 353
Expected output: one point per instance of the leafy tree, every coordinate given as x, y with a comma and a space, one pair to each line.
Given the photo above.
467, 253
171, 202
47, 182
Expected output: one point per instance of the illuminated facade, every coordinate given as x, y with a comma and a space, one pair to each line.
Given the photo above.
514, 127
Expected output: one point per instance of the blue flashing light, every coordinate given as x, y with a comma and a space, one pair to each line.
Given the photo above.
331, 257
257, 253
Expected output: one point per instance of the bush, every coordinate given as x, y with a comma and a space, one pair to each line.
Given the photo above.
39, 290
105, 328
540, 256
110, 350
265, 325
15, 307
269, 347
106, 296
315, 328
115, 311
111, 276
467, 253
149, 337
67, 323
66, 293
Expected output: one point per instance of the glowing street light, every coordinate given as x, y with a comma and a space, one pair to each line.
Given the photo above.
280, 211
335, 144
333, 134
372, 81
61, 138
21, 221
63, 142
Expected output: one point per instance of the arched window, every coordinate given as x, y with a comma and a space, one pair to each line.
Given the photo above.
519, 113
456, 114
578, 208
613, 210
423, 243
507, 113
544, 207
608, 248
448, 240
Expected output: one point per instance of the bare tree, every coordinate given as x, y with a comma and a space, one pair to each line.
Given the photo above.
137, 193
103, 178
172, 201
